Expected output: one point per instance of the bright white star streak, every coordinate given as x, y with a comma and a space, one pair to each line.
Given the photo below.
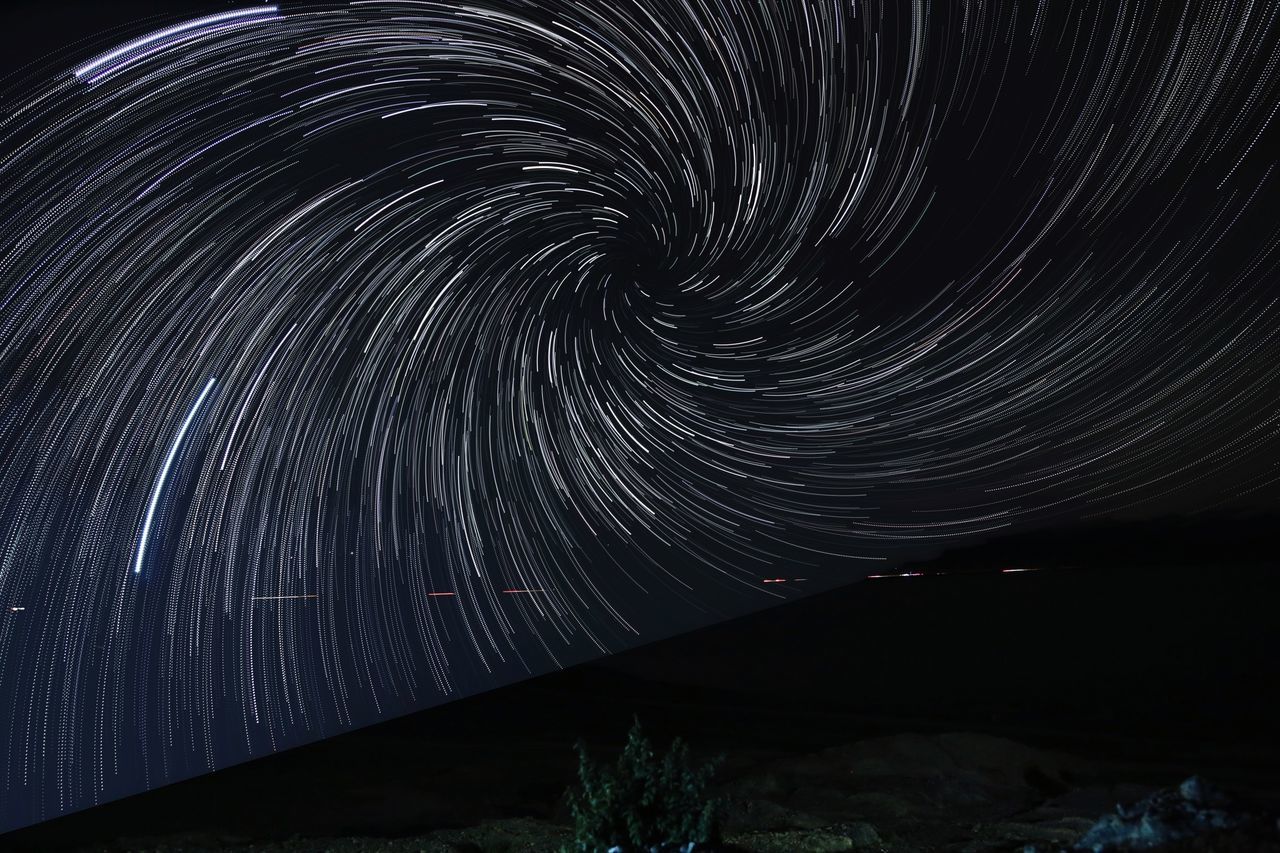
164, 474
139, 48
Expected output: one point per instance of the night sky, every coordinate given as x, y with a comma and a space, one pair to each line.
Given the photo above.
357, 357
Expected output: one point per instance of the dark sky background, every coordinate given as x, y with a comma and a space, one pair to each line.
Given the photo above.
360, 357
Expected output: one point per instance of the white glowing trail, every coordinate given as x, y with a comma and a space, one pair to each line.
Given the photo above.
164, 473
160, 35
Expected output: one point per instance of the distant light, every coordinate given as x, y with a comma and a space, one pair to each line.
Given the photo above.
15, 609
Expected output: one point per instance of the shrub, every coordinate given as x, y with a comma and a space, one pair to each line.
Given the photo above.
644, 803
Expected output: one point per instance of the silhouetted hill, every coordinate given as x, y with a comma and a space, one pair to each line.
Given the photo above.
1241, 538
1164, 627
1153, 641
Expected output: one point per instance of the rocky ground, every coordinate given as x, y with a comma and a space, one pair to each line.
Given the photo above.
993, 712
952, 792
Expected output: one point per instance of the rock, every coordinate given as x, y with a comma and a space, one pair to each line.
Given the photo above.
1195, 808
862, 834
1197, 791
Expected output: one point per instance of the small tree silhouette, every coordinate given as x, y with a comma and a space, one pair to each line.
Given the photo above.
645, 803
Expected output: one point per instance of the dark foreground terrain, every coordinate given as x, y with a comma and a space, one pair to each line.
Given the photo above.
967, 709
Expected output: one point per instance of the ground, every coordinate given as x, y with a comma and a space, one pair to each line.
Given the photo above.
951, 713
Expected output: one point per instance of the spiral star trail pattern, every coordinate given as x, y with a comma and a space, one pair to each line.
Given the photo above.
409, 349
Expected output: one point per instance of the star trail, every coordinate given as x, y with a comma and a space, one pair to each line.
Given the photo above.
164, 472
356, 357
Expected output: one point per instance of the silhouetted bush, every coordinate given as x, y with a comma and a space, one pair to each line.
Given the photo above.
644, 803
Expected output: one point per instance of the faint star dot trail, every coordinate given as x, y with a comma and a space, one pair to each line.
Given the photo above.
543, 329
